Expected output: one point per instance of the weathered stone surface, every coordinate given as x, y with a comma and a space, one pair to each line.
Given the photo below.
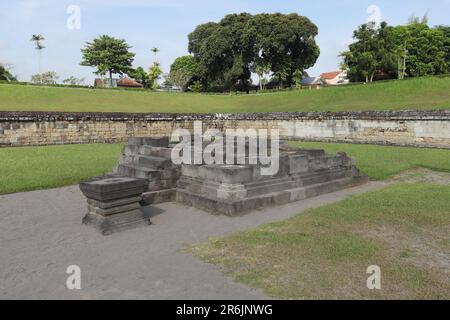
298, 164
103, 186
114, 210
426, 128
149, 141
234, 190
115, 223
154, 162
242, 206
133, 170
113, 203
155, 151
161, 196
226, 173
230, 189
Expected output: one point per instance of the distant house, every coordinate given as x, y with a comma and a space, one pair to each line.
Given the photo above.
105, 83
127, 82
335, 78
312, 82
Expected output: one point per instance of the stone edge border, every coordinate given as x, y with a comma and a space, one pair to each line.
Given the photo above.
27, 116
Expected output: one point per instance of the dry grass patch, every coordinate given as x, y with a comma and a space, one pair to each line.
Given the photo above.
324, 253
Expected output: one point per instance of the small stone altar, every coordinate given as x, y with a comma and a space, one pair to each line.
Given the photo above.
114, 203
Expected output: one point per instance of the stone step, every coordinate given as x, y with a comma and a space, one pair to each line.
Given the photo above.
130, 150
161, 184
129, 160
149, 141
271, 187
139, 172
156, 152
118, 222
155, 197
234, 208
153, 162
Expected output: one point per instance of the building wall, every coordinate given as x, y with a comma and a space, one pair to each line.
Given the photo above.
405, 128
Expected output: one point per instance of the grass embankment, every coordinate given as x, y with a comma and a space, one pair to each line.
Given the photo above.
420, 93
33, 168
324, 253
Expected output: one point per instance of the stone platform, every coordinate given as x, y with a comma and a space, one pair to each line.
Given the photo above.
114, 203
146, 175
236, 189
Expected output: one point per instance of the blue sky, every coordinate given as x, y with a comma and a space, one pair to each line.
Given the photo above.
166, 24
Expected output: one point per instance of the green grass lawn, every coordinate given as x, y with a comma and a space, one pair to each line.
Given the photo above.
421, 93
32, 168
324, 253
320, 254
382, 162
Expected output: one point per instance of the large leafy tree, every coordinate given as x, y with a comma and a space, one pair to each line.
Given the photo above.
184, 71
140, 76
49, 77
374, 51
5, 74
108, 55
221, 50
412, 50
286, 43
424, 49
446, 32
230, 50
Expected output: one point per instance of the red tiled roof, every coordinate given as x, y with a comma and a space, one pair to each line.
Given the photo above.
330, 75
127, 82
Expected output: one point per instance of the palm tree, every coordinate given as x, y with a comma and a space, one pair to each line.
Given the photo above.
155, 50
37, 39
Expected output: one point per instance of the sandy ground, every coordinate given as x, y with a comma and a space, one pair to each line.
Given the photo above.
41, 235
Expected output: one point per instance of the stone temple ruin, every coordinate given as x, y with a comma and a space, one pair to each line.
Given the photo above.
146, 175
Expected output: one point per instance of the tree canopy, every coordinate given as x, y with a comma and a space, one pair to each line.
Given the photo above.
49, 77
412, 50
184, 71
228, 51
446, 31
108, 55
154, 73
140, 76
5, 75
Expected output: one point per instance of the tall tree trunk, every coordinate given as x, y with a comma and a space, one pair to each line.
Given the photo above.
404, 62
40, 65
110, 79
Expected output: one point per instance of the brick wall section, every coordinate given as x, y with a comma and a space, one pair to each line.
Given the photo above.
406, 128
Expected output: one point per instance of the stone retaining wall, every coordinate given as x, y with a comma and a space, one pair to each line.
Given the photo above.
405, 128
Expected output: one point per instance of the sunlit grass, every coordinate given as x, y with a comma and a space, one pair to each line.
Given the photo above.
420, 93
